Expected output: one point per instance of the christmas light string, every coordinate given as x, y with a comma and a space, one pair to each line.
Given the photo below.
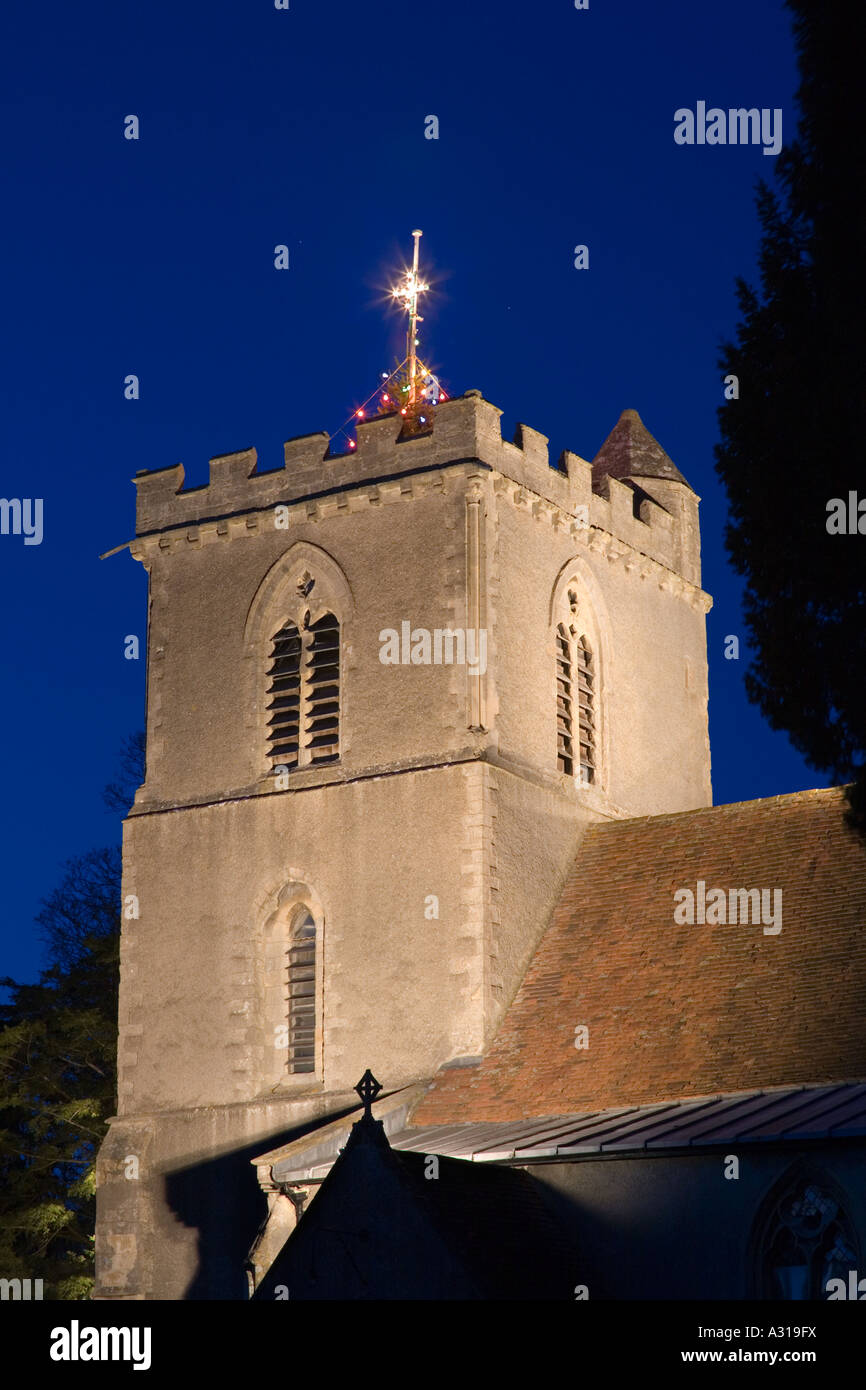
407, 293
360, 412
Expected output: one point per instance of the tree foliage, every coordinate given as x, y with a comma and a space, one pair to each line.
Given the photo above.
58, 1046
793, 439
119, 794
58, 1042
83, 907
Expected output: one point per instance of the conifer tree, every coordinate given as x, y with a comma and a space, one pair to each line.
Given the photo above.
792, 438
58, 1042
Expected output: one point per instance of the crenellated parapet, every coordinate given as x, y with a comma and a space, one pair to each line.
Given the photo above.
656, 517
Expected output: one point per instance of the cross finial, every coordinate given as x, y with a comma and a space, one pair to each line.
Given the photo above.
407, 294
368, 1088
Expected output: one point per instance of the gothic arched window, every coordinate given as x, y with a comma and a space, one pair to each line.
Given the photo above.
301, 992
291, 985
304, 693
803, 1238
575, 703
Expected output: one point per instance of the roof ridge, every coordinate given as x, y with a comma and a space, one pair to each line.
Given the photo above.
779, 797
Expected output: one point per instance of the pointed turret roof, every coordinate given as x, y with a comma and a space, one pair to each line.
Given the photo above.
630, 451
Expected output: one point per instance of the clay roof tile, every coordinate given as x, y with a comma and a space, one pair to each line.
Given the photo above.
630, 451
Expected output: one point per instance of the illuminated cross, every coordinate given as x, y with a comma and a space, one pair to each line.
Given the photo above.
407, 295
368, 1088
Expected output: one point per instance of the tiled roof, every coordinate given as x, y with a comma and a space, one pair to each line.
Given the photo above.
676, 1010
630, 451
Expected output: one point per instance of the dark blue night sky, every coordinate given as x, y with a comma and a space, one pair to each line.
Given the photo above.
305, 126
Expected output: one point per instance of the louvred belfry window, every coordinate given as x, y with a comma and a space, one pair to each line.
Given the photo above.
322, 724
586, 710
564, 717
302, 994
304, 694
575, 705
284, 690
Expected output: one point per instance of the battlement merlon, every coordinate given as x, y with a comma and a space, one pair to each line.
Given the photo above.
660, 521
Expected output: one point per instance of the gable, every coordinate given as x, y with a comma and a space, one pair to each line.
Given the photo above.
410, 1225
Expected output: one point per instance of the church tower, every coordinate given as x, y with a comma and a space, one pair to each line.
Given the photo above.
387, 692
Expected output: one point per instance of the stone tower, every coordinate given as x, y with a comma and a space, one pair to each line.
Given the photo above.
387, 691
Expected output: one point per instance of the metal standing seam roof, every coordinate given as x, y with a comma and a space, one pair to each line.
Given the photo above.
747, 1117
795, 1113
